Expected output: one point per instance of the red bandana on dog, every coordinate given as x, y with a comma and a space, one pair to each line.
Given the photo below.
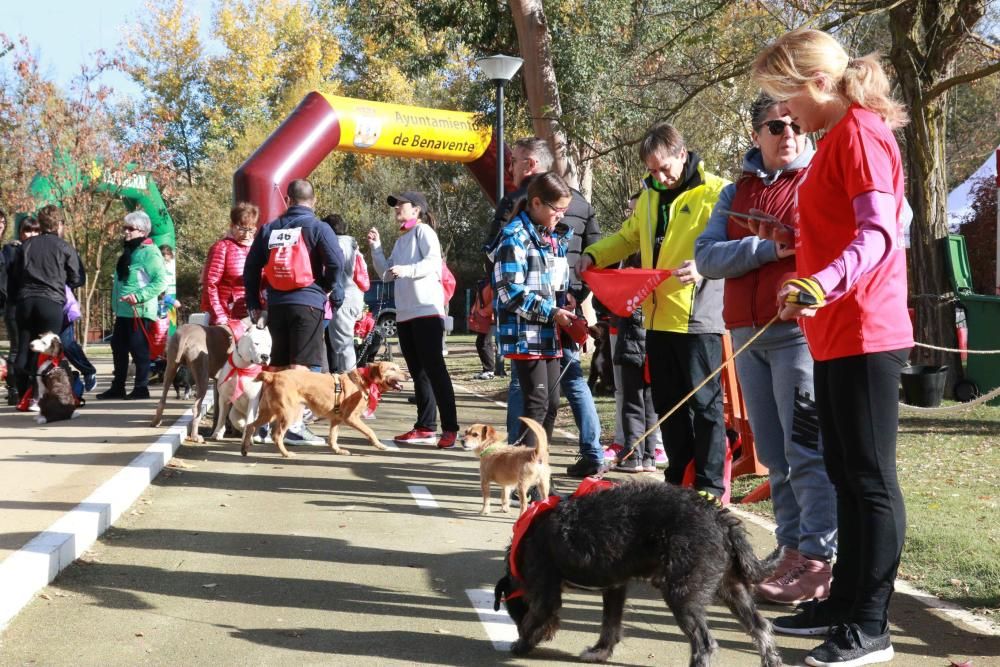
374, 392
587, 486
251, 371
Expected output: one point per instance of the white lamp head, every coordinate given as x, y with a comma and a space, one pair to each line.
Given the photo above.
499, 68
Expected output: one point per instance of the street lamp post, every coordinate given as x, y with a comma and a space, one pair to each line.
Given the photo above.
500, 69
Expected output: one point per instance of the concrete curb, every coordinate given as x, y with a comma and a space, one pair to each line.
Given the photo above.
31, 568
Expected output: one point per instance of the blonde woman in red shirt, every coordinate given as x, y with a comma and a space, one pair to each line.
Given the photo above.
850, 298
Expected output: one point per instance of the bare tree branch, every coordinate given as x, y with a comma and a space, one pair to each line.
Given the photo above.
943, 86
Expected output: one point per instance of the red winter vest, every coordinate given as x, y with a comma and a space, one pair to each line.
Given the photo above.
752, 299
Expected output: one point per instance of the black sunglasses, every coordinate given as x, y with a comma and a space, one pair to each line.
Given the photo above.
777, 127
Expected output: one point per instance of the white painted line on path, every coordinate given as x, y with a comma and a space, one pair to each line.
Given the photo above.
33, 566
499, 628
423, 497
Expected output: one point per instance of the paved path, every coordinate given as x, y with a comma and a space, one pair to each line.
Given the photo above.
380, 558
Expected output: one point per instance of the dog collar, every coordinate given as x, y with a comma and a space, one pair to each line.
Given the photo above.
488, 448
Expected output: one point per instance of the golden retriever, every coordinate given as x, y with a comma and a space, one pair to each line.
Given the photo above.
509, 466
340, 398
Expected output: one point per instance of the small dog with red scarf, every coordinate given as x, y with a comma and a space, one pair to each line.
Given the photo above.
53, 388
605, 535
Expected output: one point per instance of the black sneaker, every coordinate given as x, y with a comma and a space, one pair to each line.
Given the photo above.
813, 618
848, 646
586, 468
138, 394
111, 393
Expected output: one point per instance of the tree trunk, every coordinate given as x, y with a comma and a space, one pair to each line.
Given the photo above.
926, 37
540, 83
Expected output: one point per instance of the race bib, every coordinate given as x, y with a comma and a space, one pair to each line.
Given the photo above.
559, 271
284, 238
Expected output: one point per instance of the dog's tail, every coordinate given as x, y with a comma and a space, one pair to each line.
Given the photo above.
750, 568
267, 377
541, 439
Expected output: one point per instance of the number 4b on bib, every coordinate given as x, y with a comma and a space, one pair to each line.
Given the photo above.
288, 265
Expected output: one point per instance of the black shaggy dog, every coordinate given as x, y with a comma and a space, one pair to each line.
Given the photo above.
58, 402
183, 382
688, 548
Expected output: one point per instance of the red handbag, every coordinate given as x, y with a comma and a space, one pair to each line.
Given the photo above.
361, 278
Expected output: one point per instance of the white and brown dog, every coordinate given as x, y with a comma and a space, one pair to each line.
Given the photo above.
53, 389
237, 383
509, 466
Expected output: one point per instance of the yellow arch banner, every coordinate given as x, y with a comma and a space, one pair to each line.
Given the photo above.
404, 131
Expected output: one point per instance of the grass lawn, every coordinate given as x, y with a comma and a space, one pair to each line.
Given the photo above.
949, 468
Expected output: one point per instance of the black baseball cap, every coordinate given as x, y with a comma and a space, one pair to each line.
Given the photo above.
415, 198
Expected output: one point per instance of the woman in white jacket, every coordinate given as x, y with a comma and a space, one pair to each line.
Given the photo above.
415, 267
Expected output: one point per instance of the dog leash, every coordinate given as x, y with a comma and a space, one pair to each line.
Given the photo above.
691, 393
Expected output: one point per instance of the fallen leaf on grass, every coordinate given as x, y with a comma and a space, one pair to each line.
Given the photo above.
45, 596
967, 663
180, 463
139, 634
957, 583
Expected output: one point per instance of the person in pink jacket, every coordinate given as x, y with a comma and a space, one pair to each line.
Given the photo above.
223, 296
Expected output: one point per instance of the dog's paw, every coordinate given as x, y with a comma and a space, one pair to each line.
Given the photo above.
594, 654
40, 419
197, 439
342, 451
379, 446
520, 647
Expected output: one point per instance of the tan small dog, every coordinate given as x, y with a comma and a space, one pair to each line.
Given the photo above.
340, 398
509, 466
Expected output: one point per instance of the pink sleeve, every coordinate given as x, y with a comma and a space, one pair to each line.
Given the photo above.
875, 213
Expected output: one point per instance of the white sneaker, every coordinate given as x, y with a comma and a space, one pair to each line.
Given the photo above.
33, 406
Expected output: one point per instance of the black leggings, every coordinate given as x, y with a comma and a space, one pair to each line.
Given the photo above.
539, 379
35, 316
857, 399
487, 351
420, 341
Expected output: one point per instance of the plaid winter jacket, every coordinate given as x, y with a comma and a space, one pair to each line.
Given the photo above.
531, 277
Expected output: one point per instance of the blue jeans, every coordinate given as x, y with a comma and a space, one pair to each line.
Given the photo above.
74, 353
776, 375
581, 402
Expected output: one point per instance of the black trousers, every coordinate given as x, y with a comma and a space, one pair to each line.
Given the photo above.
35, 316
296, 336
858, 403
127, 338
677, 363
637, 402
420, 341
539, 379
486, 349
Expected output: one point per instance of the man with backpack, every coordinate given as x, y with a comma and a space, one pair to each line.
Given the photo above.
299, 259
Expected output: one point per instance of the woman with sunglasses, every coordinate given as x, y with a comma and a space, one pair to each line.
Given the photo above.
531, 277
223, 295
851, 296
776, 371
139, 279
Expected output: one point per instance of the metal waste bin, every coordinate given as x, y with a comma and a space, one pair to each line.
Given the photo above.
982, 314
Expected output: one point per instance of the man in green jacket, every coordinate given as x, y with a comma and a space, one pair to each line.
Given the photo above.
139, 280
683, 316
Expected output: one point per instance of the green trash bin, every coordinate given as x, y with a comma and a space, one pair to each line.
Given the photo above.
982, 315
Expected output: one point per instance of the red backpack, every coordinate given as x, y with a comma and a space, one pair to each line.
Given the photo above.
288, 264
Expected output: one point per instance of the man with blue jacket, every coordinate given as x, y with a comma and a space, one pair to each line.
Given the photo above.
295, 316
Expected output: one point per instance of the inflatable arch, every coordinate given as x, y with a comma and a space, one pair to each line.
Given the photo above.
323, 123
136, 189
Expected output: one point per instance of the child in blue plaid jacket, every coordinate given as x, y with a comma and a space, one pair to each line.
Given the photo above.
531, 276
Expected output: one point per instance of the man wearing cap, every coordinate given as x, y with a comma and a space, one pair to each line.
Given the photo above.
415, 265
295, 316
529, 156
